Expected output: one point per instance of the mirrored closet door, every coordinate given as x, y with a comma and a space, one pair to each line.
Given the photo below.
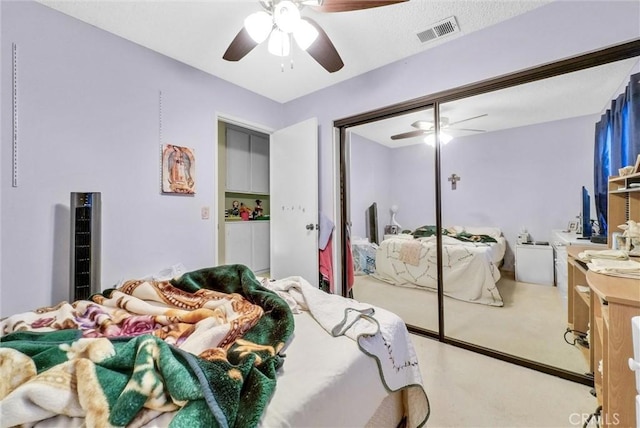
514, 154
391, 188
522, 163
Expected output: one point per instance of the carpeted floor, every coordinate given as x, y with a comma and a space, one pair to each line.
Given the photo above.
467, 389
531, 324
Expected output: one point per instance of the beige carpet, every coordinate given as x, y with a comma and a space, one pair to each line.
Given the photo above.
466, 389
531, 324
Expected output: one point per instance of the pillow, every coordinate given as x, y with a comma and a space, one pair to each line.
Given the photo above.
403, 236
454, 230
493, 232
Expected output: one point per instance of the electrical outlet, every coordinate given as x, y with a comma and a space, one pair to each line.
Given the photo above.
204, 213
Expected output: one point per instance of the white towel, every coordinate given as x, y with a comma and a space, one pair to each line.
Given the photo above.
588, 255
623, 268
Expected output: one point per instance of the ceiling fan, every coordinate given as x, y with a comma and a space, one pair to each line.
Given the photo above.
280, 22
425, 127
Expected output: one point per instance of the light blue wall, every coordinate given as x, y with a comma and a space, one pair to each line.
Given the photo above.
89, 120
370, 180
522, 177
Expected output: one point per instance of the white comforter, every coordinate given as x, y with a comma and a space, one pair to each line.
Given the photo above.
469, 272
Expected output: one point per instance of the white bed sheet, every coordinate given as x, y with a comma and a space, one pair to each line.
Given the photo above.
380, 335
497, 250
325, 381
337, 385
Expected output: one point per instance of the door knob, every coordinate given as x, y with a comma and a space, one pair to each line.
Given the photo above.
309, 226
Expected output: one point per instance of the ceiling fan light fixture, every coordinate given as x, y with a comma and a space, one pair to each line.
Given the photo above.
305, 34
259, 25
286, 16
431, 139
279, 43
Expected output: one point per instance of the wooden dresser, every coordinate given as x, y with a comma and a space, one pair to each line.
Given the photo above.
606, 311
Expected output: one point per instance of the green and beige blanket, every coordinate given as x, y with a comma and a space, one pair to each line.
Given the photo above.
428, 231
204, 346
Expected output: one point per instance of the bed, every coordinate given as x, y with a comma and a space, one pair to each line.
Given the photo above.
216, 347
471, 260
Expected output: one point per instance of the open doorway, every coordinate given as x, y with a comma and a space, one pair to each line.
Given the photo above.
243, 197
268, 198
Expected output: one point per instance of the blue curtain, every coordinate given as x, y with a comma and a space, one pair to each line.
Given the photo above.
617, 143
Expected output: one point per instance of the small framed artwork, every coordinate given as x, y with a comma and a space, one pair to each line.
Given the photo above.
178, 169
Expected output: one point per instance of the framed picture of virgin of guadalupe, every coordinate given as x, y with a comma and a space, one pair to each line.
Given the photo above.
178, 170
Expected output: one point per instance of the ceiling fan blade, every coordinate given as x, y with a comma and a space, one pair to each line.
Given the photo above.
469, 118
409, 134
349, 5
241, 45
468, 129
323, 51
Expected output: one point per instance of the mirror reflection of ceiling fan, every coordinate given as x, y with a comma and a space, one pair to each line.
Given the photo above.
425, 127
280, 22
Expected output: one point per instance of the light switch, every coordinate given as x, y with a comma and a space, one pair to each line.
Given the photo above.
204, 213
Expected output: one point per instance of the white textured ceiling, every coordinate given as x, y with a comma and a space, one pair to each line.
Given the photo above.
197, 33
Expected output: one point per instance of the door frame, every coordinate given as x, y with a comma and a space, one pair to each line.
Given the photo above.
217, 184
219, 191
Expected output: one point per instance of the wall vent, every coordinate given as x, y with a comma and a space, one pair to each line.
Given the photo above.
439, 29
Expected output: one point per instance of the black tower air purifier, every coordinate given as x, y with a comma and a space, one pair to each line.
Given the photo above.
84, 277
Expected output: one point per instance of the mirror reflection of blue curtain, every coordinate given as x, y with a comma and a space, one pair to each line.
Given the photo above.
617, 143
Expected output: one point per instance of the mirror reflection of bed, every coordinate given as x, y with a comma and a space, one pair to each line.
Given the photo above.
480, 299
524, 171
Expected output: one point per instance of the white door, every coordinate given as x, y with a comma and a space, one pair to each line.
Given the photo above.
294, 201
259, 164
238, 153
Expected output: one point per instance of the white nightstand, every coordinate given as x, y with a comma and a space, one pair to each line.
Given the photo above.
534, 263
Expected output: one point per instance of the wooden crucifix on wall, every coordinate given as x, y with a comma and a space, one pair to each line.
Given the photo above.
454, 178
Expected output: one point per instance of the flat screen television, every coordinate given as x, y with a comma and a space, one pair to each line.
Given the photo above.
372, 223
585, 214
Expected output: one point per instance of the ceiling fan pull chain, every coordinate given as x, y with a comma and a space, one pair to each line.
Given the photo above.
291, 50
282, 50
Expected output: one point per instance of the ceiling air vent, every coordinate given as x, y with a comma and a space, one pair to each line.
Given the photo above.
439, 29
